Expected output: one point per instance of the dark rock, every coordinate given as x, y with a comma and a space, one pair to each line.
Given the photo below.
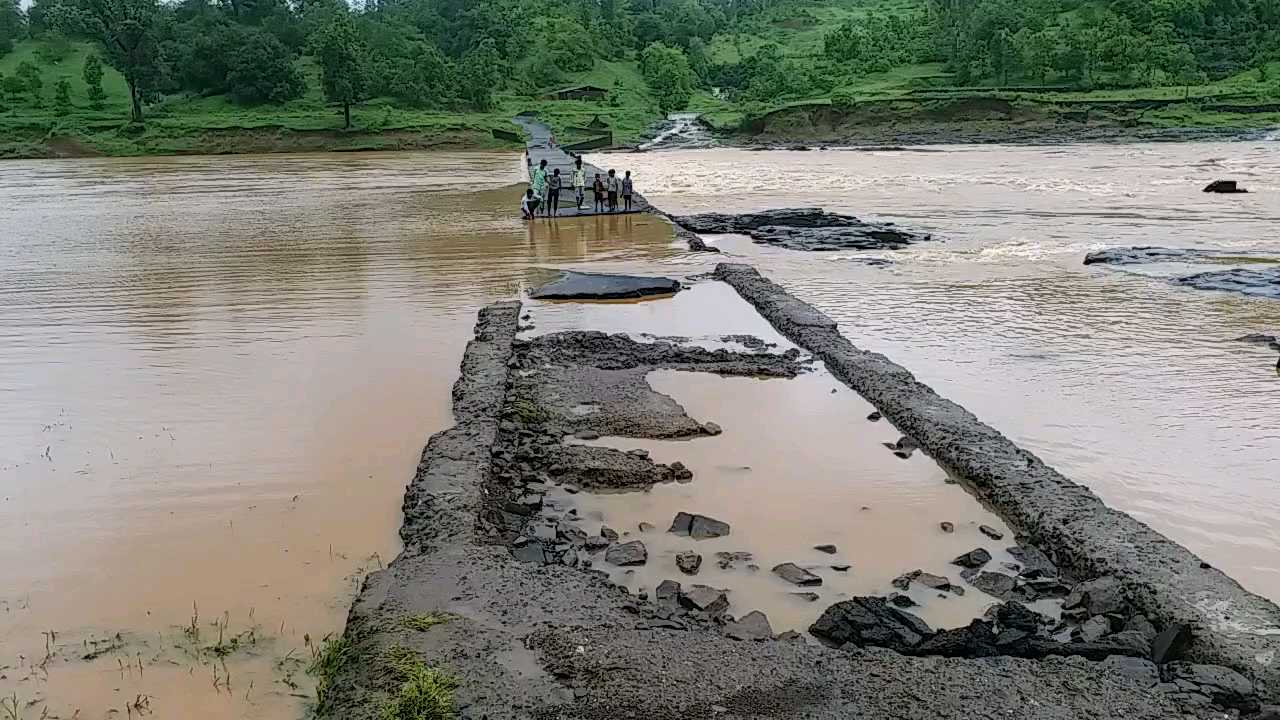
704, 527
1102, 596
544, 533
689, 562
790, 636
1223, 685
873, 417
593, 286
947, 527
1267, 712
806, 596
611, 535
995, 584
587, 435
530, 553
975, 558
668, 591
681, 472
1260, 282
805, 229
705, 598
1136, 255
712, 428
1138, 644
1141, 625
1095, 628
902, 601
1017, 616
1227, 187
1011, 636
630, 553
752, 626
644, 527
974, 640
1035, 564
796, 575
1170, 643
828, 549
840, 568
728, 560
596, 542
929, 580
1270, 341
991, 532
1142, 672
872, 621
682, 523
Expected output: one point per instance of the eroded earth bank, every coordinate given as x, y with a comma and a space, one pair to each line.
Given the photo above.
530, 587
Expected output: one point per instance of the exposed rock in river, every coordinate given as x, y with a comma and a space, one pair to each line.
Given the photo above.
796, 575
630, 553
593, 286
805, 229
698, 527
1226, 187
752, 626
689, 562
1260, 275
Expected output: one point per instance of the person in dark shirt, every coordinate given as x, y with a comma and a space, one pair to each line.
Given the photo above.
553, 193
598, 188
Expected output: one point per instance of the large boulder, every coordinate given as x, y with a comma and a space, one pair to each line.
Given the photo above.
752, 626
698, 527
595, 286
1224, 187
873, 621
796, 575
628, 553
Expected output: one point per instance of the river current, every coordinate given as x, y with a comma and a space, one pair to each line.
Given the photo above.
218, 373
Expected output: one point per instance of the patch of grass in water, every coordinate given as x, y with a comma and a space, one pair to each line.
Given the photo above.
328, 659
425, 693
425, 621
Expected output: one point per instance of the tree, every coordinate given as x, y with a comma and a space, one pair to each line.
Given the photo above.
481, 74
13, 87
32, 83
62, 95
262, 71
92, 75
131, 34
666, 71
13, 25
1037, 50
342, 55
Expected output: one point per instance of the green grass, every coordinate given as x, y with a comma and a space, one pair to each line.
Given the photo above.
422, 692
331, 656
425, 621
70, 67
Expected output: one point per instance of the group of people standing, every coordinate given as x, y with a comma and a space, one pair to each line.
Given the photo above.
543, 195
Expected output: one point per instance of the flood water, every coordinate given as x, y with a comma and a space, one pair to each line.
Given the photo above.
218, 373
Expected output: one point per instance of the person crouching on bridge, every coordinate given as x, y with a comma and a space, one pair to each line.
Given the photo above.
529, 205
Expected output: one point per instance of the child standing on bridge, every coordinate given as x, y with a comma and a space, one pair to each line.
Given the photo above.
579, 180
598, 189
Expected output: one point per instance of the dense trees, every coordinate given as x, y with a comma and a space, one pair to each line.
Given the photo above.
666, 70
343, 58
13, 24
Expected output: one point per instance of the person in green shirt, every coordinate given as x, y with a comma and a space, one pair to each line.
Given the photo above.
538, 184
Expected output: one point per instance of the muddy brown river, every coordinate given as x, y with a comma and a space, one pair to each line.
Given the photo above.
218, 374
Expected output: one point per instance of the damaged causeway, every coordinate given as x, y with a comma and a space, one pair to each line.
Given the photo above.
534, 630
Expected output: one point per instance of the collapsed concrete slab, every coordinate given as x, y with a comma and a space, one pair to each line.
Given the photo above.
595, 286
1064, 520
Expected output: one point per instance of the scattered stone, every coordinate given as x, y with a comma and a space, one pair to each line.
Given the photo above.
840, 568
1014, 615
947, 527
902, 601
796, 575
1135, 642
711, 428
792, 636
991, 532
544, 533
873, 417
610, 534
668, 591
1141, 625
806, 596
629, 553
704, 528
1095, 628
996, 585
1227, 187
1142, 672
1101, 596
530, 553
828, 549
1223, 685
689, 562
975, 558
645, 526
681, 472
872, 621
595, 543
705, 598
587, 435
595, 286
727, 560
1170, 643
753, 626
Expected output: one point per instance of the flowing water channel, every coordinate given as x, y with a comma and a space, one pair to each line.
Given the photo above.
218, 373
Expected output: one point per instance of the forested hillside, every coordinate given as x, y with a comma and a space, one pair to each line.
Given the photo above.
99, 68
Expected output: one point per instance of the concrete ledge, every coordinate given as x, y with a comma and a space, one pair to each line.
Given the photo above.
1231, 626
